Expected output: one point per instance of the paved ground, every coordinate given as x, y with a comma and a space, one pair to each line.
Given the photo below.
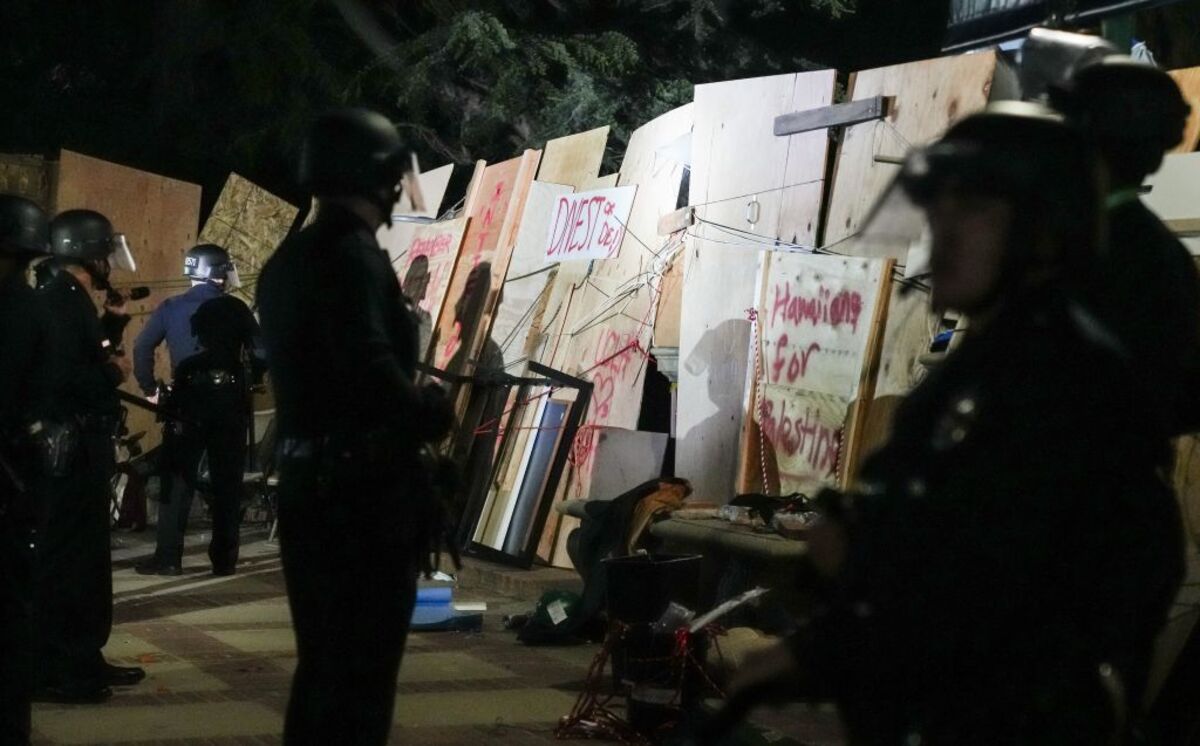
219, 654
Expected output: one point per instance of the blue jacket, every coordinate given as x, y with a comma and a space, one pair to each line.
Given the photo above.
171, 321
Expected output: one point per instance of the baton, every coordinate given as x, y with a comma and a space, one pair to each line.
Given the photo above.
150, 406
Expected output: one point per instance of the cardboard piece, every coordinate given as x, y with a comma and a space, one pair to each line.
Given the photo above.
397, 238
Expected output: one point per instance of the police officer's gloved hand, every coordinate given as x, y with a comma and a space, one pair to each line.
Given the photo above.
435, 413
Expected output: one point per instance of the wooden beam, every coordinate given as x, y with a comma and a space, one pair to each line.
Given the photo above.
673, 222
1184, 226
837, 115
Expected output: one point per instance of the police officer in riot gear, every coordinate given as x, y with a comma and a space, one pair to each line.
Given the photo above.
1144, 286
1000, 571
24, 234
215, 422
342, 351
73, 596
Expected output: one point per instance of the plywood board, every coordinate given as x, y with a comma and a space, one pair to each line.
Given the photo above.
815, 322
28, 176
250, 223
574, 160
528, 279
426, 266
490, 208
395, 239
1173, 191
1189, 84
926, 98
159, 217
759, 187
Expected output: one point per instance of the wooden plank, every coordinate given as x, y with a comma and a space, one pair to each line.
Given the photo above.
929, 96
249, 222
489, 200
1184, 226
574, 160
1189, 85
670, 305
674, 222
854, 441
159, 217
761, 187
837, 115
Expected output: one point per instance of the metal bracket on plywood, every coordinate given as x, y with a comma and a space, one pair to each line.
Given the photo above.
836, 115
673, 222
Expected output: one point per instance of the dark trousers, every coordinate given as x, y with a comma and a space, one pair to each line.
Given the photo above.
225, 444
351, 582
73, 576
16, 631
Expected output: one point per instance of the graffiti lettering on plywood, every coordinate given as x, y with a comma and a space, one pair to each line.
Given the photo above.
805, 430
814, 313
589, 225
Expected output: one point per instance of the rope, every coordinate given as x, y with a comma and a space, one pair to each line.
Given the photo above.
759, 394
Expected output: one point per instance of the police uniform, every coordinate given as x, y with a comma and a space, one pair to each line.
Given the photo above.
171, 322
22, 355
73, 596
342, 350
212, 394
223, 407
1014, 547
74, 575
1016, 510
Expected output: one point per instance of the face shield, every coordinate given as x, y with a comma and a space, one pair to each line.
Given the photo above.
120, 256
896, 228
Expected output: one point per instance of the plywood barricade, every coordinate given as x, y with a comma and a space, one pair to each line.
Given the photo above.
926, 97
159, 217
608, 321
572, 162
749, 188
1189, 84
249, 222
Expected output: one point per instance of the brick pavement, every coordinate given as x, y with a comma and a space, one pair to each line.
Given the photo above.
219, 653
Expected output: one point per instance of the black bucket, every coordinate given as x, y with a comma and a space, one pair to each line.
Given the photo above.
642, 586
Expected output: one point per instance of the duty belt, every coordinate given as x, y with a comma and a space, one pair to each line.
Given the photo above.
217, 378
374, 445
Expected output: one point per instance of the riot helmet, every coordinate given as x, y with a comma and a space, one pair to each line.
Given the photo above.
24, 227
1025, 156
1132, 112
1050, 57
208, 262
354, 153
86, 238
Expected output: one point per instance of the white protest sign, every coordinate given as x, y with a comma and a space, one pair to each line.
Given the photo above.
589, 225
